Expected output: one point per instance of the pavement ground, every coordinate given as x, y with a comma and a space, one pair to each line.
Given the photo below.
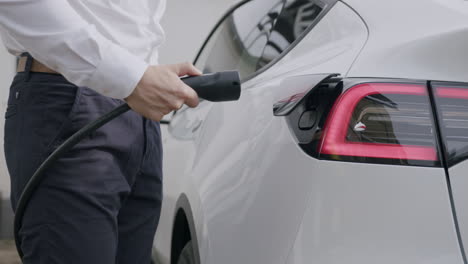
8, 253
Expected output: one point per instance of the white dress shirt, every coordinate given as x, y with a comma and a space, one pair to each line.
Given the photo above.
105, 45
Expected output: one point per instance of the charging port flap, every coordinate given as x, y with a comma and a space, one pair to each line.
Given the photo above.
307, 107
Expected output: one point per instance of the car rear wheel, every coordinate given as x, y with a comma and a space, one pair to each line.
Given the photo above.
187, 256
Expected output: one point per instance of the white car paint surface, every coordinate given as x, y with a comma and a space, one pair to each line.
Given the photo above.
418, 39
459, 181
256, 196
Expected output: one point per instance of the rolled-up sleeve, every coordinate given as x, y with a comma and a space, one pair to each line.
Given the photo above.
54, 34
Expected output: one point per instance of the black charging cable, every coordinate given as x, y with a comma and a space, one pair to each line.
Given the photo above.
217, 87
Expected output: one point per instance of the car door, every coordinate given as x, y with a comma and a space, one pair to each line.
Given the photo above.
236, 42
238, 157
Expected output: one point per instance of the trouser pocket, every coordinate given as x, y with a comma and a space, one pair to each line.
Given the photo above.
36, 118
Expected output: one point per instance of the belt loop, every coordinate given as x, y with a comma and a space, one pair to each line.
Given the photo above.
27, 68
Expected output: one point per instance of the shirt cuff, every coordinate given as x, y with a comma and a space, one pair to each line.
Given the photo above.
118, 73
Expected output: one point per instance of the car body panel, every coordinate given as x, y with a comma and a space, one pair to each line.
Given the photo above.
459, 183
235, 163
417, 39
242, 165
257, 197
362, 213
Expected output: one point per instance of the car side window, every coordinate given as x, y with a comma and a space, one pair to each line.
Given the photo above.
296, 17
239, 41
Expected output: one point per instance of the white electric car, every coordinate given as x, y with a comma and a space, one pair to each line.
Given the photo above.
349, 143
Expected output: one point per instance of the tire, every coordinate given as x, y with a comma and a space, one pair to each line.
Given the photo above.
187, 256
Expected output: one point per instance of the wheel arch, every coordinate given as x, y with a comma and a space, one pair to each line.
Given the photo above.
183, 230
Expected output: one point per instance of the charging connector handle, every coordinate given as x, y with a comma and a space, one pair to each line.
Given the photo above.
217, 87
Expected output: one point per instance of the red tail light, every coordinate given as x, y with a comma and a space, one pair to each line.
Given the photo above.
452, 104
383, 123
455, 93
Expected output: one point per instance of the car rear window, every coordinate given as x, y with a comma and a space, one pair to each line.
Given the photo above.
296, 17
238, 42
257, 33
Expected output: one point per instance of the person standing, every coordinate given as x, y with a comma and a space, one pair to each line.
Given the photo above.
78, 59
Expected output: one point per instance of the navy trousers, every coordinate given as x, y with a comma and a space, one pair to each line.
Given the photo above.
100, 203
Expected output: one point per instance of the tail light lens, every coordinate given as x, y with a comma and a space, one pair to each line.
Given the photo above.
381, 123
452, 104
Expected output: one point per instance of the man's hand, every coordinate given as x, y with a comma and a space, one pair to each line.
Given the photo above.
161, 91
